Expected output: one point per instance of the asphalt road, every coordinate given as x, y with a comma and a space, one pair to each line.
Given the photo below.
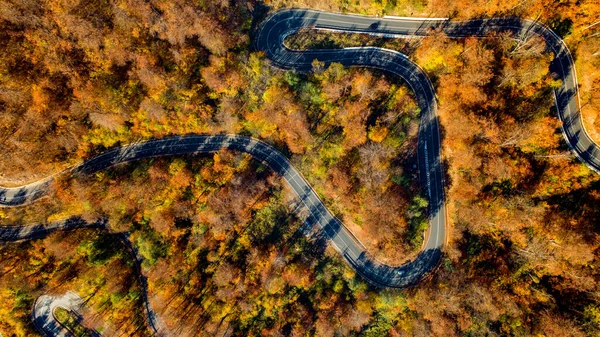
157, 327
353, 251
43, 321
43, 314
270, 39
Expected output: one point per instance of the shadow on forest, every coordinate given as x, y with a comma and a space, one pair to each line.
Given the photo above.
582, 205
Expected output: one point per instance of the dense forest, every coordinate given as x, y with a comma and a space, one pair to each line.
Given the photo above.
223, 251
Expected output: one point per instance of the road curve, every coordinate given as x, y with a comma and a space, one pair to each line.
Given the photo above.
285, 22
352, 250
270, 39
30, 232
43, 314
276, 27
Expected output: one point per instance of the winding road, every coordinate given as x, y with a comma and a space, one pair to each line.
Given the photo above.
270, 39
45, 320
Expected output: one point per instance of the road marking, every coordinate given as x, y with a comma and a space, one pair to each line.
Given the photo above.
375, 58
427, 172
407, 18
